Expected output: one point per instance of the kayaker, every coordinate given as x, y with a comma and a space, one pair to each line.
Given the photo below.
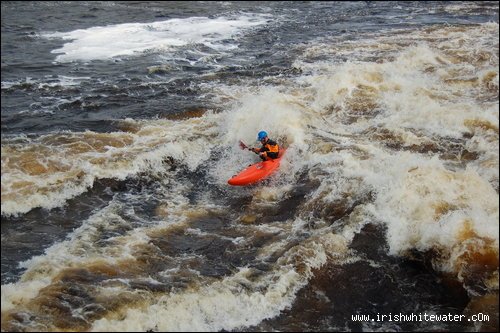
269, 149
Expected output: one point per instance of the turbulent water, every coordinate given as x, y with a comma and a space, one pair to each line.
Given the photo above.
120, 129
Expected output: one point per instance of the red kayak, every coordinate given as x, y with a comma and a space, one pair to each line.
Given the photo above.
257, 171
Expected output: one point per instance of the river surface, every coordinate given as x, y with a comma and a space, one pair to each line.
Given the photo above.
120, 128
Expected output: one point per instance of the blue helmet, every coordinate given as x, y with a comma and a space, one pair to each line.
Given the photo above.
261, 135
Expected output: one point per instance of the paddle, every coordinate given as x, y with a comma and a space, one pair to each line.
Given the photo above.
243, 146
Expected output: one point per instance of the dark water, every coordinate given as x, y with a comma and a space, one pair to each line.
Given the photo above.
120, 124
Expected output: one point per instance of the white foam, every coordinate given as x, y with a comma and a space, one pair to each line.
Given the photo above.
102, 43
227, 304
77, 170
14, 294
80, 248
423, 204
436, 88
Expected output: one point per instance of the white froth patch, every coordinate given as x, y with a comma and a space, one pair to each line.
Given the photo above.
270, 110
14, 294
231, 304
405, 94
101, 43
424, 205
48, 171
80, 249
210, 309
433, 85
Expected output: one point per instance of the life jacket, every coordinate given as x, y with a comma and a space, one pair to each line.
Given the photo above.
270, 149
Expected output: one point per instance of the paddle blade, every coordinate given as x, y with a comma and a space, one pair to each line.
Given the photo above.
242, 145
